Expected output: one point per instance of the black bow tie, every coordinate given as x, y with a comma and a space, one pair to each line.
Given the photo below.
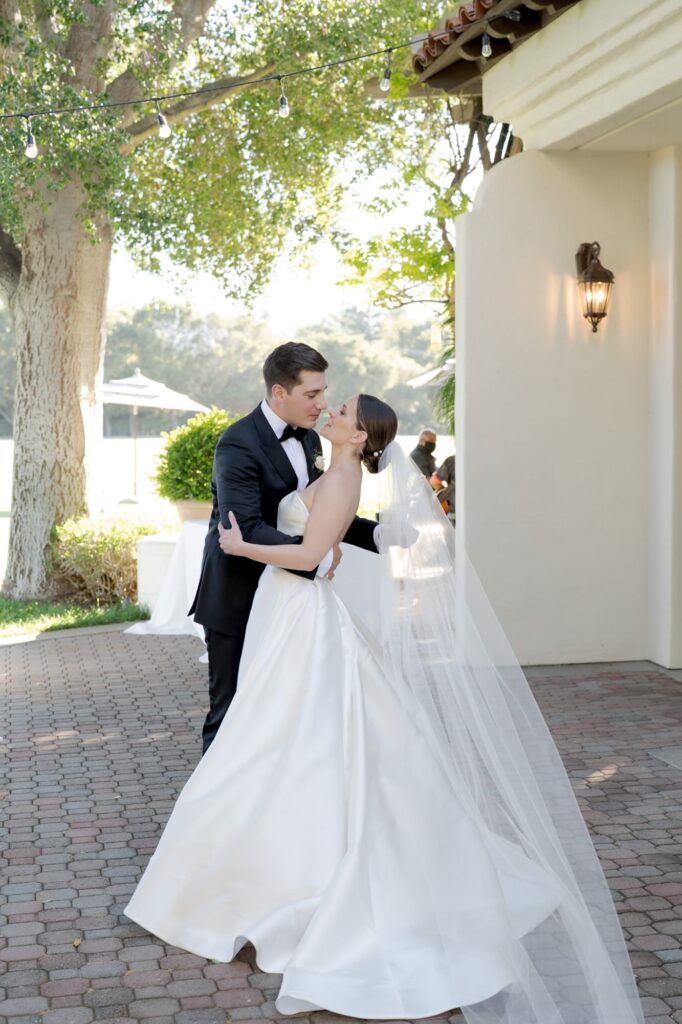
297, 432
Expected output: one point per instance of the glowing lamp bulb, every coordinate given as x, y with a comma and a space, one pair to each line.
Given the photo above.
164, 127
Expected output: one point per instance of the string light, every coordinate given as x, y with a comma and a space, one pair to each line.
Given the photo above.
164, 127
283, 109
31, 150
385, 83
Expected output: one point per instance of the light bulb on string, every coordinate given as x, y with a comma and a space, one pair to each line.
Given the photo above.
513, 15
164, 127
31, 150
283, 109
486, 46
385, 83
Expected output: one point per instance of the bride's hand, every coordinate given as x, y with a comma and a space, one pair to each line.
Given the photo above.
231, 541
338, 555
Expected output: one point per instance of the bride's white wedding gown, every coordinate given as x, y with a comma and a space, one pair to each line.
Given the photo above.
308, 830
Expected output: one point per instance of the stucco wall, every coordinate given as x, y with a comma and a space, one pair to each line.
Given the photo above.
553, 422
601, 65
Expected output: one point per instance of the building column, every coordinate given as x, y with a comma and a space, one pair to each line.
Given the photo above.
665, 579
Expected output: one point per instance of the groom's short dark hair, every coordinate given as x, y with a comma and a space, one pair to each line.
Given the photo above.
285, 363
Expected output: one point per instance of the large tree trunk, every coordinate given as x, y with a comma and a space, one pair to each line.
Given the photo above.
58, 312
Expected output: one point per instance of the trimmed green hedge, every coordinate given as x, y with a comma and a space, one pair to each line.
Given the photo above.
186, 463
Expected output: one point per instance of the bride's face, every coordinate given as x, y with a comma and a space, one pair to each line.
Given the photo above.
342, 425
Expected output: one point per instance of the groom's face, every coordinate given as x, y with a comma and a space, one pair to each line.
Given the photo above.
301, 406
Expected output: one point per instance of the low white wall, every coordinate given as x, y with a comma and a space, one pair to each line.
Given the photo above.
116, 473
552, 420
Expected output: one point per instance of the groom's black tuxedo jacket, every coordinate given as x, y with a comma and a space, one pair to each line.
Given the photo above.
251, 475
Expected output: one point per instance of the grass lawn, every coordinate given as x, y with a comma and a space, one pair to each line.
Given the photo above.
17, 617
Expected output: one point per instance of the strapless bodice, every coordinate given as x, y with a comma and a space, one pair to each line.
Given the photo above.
292, 515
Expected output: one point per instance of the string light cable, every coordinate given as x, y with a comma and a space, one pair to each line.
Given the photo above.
31, 149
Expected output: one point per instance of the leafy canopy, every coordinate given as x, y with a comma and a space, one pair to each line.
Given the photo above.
235, 182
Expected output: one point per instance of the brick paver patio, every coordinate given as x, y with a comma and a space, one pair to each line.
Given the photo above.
100, 731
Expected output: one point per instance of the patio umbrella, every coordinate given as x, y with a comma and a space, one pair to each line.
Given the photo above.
436, 376
140, 392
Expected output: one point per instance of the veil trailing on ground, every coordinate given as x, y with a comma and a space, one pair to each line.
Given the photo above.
439, 636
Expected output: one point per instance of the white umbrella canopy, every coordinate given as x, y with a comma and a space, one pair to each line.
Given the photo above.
144, 393
140, 392
436, 376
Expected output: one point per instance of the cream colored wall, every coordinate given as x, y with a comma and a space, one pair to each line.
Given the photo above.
602, 65
570, 444
553, 422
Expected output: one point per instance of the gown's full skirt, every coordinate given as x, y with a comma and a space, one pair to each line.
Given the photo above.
323, 827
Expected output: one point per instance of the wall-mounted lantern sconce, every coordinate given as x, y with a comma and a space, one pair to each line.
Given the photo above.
594, 283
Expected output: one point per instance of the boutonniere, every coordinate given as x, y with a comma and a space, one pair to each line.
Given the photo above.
319, 463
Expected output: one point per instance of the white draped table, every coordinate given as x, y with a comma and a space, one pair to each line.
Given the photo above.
355, 581
179, 586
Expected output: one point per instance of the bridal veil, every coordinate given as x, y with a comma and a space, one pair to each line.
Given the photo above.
437, 634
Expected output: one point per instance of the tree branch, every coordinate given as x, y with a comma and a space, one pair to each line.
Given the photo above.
46, 28
223, 88
190, 17
447, 241
482, 136
10, 265
389, 303
124, 89
10, 15
89, 42
462, 171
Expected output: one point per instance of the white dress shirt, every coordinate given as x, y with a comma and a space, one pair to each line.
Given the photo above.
296, 455
293, 448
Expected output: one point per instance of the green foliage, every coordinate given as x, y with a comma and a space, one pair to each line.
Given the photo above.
235, 184
401, 267
377, 355
416, 264
21, 617
214, 360
218, 361
186, 463
95, 560
444, 404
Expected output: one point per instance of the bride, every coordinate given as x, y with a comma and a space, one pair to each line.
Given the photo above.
383, 812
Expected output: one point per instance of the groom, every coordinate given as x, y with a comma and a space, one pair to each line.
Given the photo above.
258, 460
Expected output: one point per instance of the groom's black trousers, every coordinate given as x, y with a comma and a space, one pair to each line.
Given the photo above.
224, 653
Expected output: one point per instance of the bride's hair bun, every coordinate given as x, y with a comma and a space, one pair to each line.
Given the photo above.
380, 423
